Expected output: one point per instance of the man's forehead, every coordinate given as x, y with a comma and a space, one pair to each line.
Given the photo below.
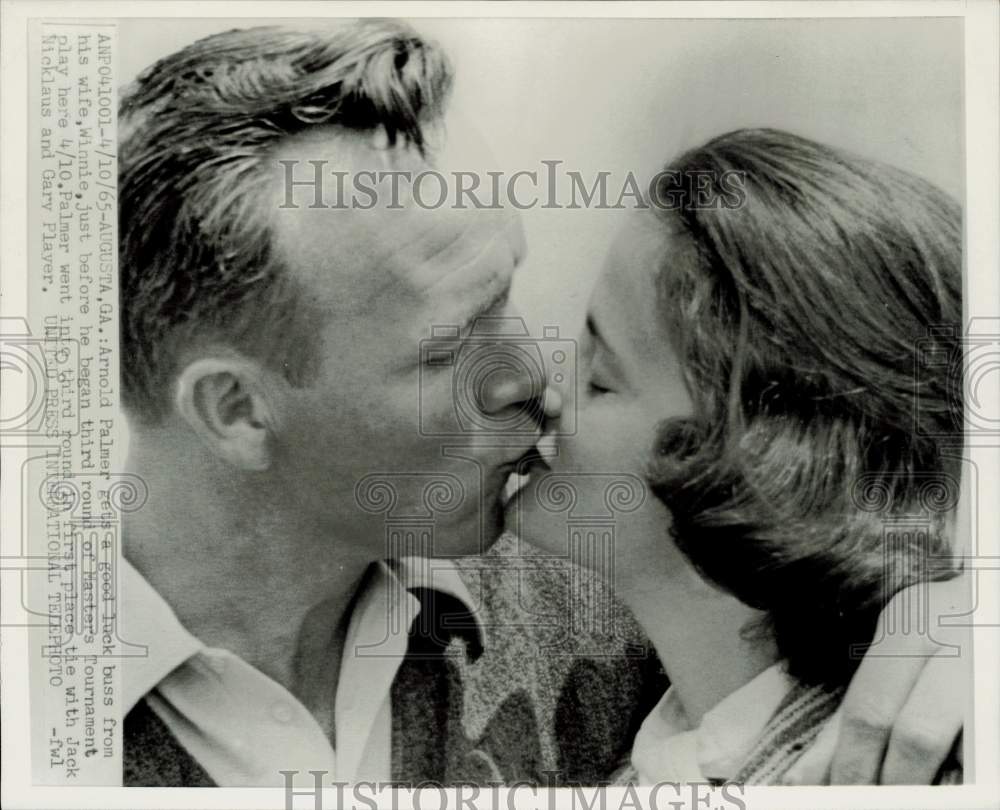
435, 254
396, 242
453, 269
447, 248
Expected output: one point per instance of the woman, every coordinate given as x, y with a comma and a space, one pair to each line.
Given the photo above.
749, 355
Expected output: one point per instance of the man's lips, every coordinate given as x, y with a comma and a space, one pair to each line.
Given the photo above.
516, 473
530, 461
522, 464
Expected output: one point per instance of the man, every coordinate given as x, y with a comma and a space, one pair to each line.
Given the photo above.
282, 417
270, 364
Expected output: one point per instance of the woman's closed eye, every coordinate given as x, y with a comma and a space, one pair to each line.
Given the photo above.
602, 377
603, 371
597, 386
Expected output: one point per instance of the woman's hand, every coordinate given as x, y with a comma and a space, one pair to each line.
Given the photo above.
904, 709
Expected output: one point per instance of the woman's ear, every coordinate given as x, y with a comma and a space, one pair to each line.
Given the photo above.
223, 401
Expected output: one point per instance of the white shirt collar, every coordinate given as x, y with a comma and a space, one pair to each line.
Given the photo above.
667, 749
146, 618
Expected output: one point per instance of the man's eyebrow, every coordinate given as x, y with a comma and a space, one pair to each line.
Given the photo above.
494, 302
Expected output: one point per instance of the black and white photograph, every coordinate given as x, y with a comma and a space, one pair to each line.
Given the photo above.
470, 405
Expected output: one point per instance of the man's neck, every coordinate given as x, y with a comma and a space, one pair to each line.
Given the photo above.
243, 575
699, 636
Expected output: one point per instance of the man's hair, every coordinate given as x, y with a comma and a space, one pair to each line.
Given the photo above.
196, 255
798, 326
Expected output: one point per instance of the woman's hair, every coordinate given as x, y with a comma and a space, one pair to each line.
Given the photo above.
818, 329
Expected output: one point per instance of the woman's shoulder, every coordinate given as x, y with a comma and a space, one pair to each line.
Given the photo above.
792, 729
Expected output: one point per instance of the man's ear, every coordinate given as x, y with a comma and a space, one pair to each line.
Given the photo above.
224, 402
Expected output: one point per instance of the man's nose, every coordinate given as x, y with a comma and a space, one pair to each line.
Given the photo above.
552, 402
505, 391
527, 391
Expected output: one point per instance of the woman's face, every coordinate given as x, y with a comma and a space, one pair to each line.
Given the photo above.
594, 488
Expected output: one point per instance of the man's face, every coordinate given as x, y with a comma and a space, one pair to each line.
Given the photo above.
373, 444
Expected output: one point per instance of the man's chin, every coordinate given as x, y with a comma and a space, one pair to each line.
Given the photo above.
474, 537
492, 527
516, 518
